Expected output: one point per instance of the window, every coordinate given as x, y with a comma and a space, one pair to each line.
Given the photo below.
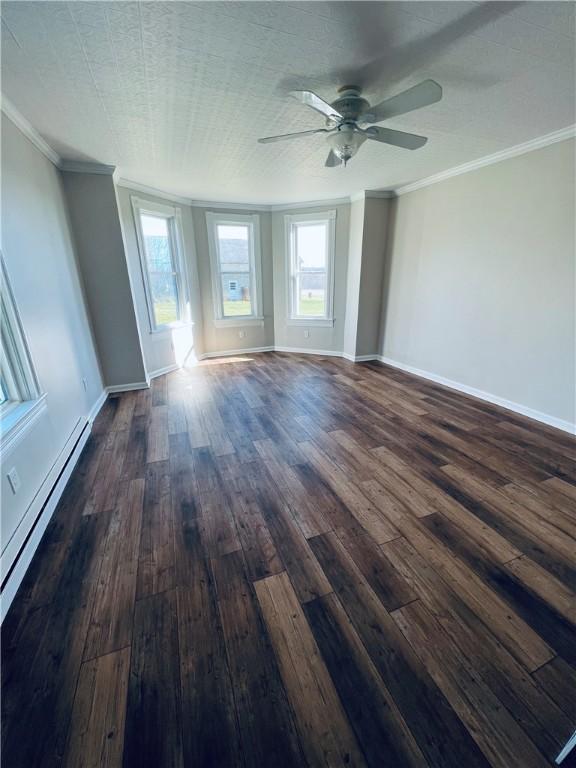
19, 389
310, 257
160, 246
235, 260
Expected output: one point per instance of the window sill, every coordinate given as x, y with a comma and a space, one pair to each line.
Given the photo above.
168, 328
234, 322
18, 420
320, 322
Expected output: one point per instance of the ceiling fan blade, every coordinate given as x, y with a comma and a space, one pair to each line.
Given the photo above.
332, 160
422, 95
270, 139
396, 138
310, 99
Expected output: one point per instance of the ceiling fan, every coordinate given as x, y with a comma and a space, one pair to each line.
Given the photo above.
346, 116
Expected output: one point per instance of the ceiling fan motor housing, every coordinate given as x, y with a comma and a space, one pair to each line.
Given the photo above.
350, 103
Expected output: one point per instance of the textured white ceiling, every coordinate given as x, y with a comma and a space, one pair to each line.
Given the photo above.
176, 93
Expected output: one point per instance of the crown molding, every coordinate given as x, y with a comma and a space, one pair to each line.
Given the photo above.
79, 166
519, 149
29, 131
372, 194
217, 205
73, 166
152, 191
310, 204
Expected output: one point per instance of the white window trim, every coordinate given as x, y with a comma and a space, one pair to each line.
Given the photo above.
26, 400
326, 217
140, 206
253, 220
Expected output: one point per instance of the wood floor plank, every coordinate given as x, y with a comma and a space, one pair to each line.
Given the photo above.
306, 574
558, 679
439, 733
310, 519
210, 734
543, 584
96, 738
156, 561
266, 722
158, 444
39, 681
324, 730
493, 727
371, 709
363, 510
260, 551
111, 622
505, 676
153, 734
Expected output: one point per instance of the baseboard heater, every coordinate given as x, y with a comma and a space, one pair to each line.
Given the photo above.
52, 498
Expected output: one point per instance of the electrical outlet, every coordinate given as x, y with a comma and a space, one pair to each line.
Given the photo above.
14, 480
241, 334
306, 334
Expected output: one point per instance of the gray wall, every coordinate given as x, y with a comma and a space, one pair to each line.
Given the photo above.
38, 250
91, 200
375, 233
218, 339
323, 339
480, 284
366, 259
355, 240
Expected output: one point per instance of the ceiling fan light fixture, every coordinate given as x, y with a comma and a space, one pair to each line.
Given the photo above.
345, 142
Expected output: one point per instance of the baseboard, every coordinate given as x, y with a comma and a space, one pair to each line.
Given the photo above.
304, 351
41, 510
359, 358
95, 410
234, 352
127, 387
162, 371
293, 350
544, 418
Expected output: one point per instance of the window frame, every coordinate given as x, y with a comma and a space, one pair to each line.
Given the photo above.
291, 221
173, 216
24, 396
213, 220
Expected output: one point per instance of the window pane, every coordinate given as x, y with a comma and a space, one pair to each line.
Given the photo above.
164, 298
311, 246
161, 271
233, 247
236, 298
156, 243
311, 296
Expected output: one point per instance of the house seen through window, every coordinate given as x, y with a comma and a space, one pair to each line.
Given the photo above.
234, 262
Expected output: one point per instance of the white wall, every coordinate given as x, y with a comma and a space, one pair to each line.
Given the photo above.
480, 284
167, 348
322, 339
37, 247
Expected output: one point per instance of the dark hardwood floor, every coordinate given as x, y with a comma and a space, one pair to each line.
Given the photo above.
281, 560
